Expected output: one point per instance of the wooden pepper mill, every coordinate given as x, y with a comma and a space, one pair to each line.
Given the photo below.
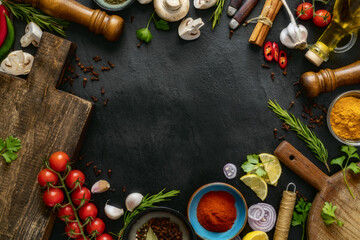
326, 80
96, 20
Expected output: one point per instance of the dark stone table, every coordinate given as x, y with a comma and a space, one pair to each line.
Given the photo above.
178, 111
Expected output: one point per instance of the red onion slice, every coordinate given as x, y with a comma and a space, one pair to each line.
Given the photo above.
268, 220
230, 171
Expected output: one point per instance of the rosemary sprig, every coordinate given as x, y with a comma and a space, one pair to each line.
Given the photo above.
26, 12
217, 13
303, 132
147, 202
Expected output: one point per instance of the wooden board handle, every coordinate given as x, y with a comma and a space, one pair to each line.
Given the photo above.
97, 21
302, 166
326, 80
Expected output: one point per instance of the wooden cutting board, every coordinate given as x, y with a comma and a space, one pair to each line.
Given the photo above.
331, 189
46, 120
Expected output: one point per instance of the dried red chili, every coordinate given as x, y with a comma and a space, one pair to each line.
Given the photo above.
216, 211
282, 59
268, 51
276, 51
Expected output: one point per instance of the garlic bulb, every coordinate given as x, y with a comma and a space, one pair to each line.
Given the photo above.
112, 212
133, 200
100, 186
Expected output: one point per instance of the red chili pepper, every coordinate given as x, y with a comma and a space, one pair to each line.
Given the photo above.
268, 51
276, 51
3, 25
282, 59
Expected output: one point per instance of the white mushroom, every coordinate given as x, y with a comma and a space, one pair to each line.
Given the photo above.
32, 35
17, 63
204, 4
189, 29
171, 10
144, 1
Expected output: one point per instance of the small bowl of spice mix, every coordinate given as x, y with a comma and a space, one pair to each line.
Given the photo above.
114, 5
217, 211
343, 118
162, 222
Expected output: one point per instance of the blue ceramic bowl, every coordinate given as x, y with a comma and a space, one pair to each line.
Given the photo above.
241, 212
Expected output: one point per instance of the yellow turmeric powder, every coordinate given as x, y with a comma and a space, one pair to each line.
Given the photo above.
345, 118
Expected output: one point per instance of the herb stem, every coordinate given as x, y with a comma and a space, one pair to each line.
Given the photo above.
152, 16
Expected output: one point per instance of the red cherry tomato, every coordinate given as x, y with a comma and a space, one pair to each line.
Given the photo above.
46, 176
78, 194
52, 196
88, 210
73, 177
97, 225
322, 18
66, 213
105, 236
276, 51
58, 161
304, 11
282, 59
72, 229
268, 51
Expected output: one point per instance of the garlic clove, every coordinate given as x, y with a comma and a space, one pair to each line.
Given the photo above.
100, 186
133, 200
112, 212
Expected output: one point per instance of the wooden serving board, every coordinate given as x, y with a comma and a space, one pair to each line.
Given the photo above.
46, 120
331, 189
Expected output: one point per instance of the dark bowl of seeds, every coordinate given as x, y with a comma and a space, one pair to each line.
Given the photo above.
114, 5
160, 222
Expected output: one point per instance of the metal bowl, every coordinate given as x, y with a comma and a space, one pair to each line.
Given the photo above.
175, 217
114, 7
353, 142
241, 212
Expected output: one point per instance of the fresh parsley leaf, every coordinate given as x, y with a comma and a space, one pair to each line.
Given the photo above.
339, 161
161, 24
354, 167
297, 220
350, 151
144, 34
247, 166
253, 158
300, 214
9, 147
253, 164
328, 214
260, 172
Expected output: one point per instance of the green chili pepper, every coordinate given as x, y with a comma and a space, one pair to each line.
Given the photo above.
9, 41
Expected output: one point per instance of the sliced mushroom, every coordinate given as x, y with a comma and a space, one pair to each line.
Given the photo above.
171, 10
204, 4
17, 63
144, 1
32, 35
189, 29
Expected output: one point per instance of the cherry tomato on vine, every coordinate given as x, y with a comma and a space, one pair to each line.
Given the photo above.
71, 229
268, 51
66, 213
282, 59
52, 196
105, 236
276, 51
58, 161
304, 11
47, 176
73, 177
88, 210
78, 194
96, 225
322, 18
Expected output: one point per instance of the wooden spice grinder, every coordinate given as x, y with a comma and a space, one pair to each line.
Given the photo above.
96, 20
326, 80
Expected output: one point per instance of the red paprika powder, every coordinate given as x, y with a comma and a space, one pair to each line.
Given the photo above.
216, 211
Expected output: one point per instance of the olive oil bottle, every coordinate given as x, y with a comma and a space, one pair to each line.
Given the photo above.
345, 20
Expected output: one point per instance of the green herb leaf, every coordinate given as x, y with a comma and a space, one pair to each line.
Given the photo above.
253, 158
9, 147
217, 13
300, 214
151, 235
328, 214
339, 161
354, 167
297, 220
161, 24
253, 164
260, 172
144, 34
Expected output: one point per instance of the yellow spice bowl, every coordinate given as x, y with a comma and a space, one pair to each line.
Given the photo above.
343, 118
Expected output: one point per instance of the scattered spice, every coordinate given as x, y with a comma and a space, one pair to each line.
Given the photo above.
124, 189
79, 64
97, 58
298, 93
275, 132
106, 101
75, 75
111, 64
94, 79
71, 82
265, 66
282, 137
105, 68
109, 173
220, 204
95, 99
310, 126
82, 66
272, 76
162, 227
139, 44
98, 172
84, 82
291, 104
296, 83
82, 157
102, 91
231, 33
299, 195
94, 73
89, 163
304, 116
77, 59
73, 69
285, 126
285, 72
